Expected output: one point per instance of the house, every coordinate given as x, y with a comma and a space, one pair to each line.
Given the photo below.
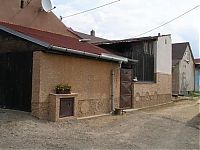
33, 62
183, 68
90, 38
38, 52
28, 13
146, 82
197, 74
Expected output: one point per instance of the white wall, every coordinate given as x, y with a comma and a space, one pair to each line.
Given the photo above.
186, 72
163, 55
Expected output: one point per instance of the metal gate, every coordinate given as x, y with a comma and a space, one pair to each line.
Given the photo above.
16, 80
125, 88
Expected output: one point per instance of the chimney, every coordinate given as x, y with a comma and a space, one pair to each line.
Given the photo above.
92, 33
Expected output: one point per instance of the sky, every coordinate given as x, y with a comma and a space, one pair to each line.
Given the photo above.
129, 18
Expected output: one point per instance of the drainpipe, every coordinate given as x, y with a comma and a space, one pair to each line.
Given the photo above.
102, 56
113, 87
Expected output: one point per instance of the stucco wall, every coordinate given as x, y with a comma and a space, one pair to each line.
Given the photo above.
91, 79
163, 55
31, 16
186, 72
149, 94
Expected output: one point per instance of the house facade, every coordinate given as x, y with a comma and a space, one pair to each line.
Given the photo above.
146, 82
197, 75
31, 15
33, 62
183, 69
38, 52
31, 68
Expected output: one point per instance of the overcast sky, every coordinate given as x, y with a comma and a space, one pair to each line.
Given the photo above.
129, 18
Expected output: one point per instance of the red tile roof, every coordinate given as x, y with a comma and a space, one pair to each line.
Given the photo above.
56, 39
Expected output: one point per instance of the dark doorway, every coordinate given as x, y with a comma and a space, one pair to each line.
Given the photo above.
16, 80
66, 107
125, 88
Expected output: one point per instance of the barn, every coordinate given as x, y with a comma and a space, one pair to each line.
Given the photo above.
33, 62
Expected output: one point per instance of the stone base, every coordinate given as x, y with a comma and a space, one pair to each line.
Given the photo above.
54, 106
151, 100
147, 94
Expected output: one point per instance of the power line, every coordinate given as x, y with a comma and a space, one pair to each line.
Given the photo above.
169, 21
89, 10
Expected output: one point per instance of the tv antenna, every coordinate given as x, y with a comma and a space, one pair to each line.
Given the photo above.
47, 6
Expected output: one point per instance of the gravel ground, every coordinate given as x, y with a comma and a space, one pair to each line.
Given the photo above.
173, 126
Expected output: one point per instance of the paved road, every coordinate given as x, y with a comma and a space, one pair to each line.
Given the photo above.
174, 126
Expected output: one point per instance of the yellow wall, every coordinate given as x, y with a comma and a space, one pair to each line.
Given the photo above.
91, 79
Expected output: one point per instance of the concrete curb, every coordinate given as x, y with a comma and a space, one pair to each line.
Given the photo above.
90, 117
131, 110
185, 98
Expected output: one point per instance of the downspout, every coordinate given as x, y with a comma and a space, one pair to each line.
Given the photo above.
113, 87
102, 56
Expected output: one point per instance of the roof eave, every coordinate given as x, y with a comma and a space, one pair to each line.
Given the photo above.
56, 48
103, 56
23, 36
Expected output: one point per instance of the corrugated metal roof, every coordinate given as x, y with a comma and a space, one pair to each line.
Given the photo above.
56, 39
127, 40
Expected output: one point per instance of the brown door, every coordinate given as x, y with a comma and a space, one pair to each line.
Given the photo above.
16, 80
66, 107
125, 88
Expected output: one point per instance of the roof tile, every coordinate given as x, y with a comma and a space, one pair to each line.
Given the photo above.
56, 39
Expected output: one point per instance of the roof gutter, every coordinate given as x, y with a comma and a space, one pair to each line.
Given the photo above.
77, 52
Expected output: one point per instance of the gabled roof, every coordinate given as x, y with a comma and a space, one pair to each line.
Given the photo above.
51, 38
93, 39
178, 50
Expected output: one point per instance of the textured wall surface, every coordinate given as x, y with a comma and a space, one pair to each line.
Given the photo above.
163, 55
186, 72
175, 79
31, 16
149, 94
91, 79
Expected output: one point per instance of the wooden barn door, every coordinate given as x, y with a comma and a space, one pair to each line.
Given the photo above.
125, 88
16, 81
